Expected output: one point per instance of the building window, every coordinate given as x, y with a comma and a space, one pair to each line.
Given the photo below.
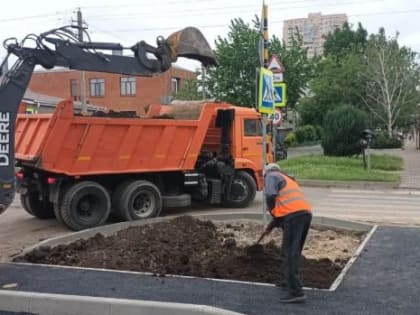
97, 87
252, 128
128, 86
74, 91
175, 85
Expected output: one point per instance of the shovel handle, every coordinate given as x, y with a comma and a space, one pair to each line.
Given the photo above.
262, 236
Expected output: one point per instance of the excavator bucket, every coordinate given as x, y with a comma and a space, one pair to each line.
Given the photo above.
190, 43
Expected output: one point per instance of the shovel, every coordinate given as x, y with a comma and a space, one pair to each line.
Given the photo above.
257, 248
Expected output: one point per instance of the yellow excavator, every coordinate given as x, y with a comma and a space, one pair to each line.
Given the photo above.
61, 47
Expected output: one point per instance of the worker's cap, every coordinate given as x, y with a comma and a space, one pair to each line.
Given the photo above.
272, 167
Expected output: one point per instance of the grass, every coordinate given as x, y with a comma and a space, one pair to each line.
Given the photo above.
383, 168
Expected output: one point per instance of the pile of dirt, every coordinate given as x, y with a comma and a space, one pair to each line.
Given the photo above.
188, 246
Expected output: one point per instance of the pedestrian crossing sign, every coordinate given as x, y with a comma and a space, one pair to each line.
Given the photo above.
266, 92
279, 94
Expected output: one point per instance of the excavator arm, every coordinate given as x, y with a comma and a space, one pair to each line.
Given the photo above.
59, 47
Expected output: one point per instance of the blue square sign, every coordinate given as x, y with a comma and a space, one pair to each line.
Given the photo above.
279, 94
266, 92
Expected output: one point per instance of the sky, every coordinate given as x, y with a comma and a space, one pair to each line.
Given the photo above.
129, 21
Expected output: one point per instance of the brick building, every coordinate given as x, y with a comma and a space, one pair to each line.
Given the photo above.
112, 91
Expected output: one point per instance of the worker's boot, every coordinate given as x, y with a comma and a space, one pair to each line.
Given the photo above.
293, 298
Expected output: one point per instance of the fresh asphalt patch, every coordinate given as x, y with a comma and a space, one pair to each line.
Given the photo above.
383, 280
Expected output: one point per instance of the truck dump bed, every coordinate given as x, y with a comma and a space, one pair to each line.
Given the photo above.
80, 145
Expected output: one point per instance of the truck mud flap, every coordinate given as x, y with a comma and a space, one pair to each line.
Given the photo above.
177, 201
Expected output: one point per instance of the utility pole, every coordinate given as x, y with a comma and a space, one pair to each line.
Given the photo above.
264, 118
82, 73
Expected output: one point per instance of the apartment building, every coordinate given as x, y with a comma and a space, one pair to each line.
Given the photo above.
312, 29
112, 91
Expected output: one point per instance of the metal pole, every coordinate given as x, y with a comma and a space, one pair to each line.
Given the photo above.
264, 116
274, 140
82, 73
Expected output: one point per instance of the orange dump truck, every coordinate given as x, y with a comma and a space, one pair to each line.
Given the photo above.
81, 168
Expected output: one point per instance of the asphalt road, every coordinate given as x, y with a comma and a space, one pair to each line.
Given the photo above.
19, 230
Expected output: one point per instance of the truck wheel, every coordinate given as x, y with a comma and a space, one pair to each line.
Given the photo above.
57, 214
137, 200
24, 203
116, 208
34, 206
242, 191
85, 204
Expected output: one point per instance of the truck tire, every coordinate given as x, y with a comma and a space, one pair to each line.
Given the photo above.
57, 214
137, 200
57, 211
242, 191
24, 203
176, 201
116, 208
34, 206
85, 204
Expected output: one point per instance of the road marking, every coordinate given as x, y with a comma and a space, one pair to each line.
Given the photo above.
358, 197
370, 192
339, 209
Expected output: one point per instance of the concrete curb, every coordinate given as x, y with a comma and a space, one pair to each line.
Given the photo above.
59, 304
111, 229
348, 184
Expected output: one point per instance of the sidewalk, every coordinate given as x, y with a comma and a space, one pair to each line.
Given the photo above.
410, 176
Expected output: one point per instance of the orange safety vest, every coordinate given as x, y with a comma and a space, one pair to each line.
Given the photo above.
290, 199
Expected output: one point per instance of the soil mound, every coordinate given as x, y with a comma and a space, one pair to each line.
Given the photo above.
185, 246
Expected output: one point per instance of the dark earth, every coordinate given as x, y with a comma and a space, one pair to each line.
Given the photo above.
184, 246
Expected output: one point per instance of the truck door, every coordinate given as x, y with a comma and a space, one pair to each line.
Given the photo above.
252, 140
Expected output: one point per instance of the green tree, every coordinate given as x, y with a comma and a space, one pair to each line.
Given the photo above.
392, 76
344, 41
234, 79
342, 130
337, 77
298, 68
189, 91
334, 83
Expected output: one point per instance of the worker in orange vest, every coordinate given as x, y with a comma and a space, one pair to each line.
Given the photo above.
292, 213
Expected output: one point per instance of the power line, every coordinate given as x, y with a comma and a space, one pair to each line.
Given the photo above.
387, 13
33, 16
271, 21
178, 2
197, 11
217, 10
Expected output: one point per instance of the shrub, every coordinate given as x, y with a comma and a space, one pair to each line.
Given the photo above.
306, 133
290, 139
343, 127
310, 133
319, 131
381, 140
300, 135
